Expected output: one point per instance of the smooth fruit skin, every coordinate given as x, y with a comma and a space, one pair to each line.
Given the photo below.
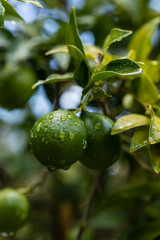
14, 210
16, 87
58, 139
103, 149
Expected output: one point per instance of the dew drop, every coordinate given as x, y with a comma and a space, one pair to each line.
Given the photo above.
63, 118
38, 128
82, 123
78, 124
46, 142
97, 126
45, 124
84, 144
32, 135
69, 116
61, 134
36, 136
71, 136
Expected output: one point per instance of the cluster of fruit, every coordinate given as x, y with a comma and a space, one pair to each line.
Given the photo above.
60, 138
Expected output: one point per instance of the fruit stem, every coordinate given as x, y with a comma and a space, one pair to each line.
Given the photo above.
87, 211
40, 182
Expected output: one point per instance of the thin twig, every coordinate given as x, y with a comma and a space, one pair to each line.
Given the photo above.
87, 211
39, 183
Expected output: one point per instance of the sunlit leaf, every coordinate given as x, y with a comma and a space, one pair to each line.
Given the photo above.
2, 10
154, 131
72, 36
141, 41
58, 49
10, 12
144, 89
129, 121
35, 2
81, 74
78, 55
151, 69
54, 78
155, 157
140, 138
98, 93
116, 34
146, 232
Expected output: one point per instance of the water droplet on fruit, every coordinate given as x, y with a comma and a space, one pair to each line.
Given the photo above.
63, 118
82, 123
78, 124
71, 136
84, 144
61, 134
38, 128
46, 142
97, 126
32, 135
43, 139
35, 136
69, 116
45, 124
51, 117
45, 130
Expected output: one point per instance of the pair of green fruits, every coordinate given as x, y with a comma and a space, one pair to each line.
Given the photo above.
60, 138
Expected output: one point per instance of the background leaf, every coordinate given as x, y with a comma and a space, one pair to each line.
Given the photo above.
2, 10
140, 138
35, 2
154, 151
144, 89
129, 121
54, 78
141, 41
10, 12
116, 34
77, 55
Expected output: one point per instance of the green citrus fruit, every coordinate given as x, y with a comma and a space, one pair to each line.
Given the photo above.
58, 139
14, 210
103, 149
16, 87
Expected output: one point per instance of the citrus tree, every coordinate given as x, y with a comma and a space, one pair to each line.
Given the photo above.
109, 144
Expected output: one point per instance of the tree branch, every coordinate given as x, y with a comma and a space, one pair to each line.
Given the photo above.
87, 211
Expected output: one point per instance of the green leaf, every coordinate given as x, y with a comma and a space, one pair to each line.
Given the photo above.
81, 74
144, 89
10, 12
129, 121
2, 11
116, 34
54, 78
72, 36
141, 41
98, 93
154, 152
148, 231
151, 69
78, 55
140, 138
58, 49
154, 131
119, 67
35, 2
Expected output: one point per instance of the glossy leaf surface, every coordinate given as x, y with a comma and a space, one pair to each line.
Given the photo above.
129, 121
81, 74
98, 93
10, 12
54, 78
35, 2
154, 131
155, 157
116, 34
141, 41
140, 138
